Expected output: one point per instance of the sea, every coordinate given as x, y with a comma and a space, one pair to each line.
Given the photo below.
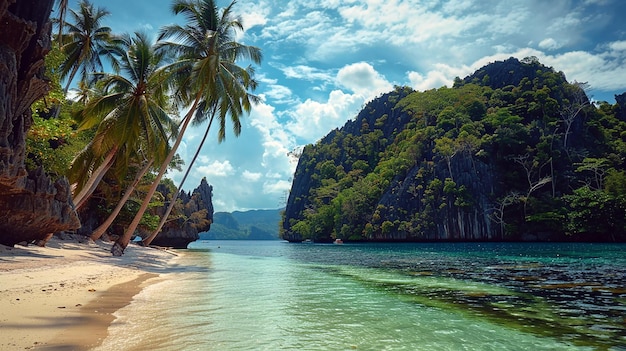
274, 295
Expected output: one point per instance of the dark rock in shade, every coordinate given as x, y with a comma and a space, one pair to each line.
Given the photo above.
31, 204
197, 208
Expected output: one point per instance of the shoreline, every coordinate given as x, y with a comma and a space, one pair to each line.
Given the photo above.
90, 326
64, 296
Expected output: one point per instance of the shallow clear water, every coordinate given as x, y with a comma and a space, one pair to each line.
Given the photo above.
260, 295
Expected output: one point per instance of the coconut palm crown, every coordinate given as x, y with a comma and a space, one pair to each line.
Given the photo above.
83, 41
207, 76
133, 111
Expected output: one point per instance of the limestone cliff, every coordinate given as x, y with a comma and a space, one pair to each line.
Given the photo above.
193, 216
31, 204
508, 153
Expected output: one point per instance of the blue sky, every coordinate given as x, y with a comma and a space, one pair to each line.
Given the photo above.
323, 60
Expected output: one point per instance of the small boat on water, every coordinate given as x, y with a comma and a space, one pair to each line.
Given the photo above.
338, 241
308, 241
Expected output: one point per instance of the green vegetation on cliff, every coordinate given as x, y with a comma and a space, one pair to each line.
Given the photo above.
512, 152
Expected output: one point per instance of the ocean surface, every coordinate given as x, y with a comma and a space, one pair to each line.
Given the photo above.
271, 295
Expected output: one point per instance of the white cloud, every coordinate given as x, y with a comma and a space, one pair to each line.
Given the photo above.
618, 45
279, 93
203, 159
217, 169
251, 176
276, 142
601, 72
440, 75
277, 187
433, 80
293, 25
549, 44
362, 79
306, 73
254, 14
312, 120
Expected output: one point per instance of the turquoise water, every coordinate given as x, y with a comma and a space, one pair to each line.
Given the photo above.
259, 295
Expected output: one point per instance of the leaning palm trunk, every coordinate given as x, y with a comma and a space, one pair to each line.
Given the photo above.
83, 195
129, 190
149, 239
62, 12
69, 80
121, 243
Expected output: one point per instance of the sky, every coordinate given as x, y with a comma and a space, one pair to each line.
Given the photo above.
324, 59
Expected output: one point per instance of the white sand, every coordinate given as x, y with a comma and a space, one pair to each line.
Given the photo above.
48, 294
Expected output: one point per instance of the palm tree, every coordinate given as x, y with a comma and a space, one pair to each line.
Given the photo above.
207, 76
132, 113
83, 42
62, 4
97, 233
221, 135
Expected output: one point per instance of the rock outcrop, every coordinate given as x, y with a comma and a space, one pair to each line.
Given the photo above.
194, 216
32, 205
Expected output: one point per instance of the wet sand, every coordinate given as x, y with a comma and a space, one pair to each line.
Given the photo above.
63, 296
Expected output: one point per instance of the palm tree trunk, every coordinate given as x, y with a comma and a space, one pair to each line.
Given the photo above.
69, 79
129, 190
81, 198
149, 239
122, 242
67, 87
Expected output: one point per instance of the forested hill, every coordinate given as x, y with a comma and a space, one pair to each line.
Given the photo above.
244, 225
511, 152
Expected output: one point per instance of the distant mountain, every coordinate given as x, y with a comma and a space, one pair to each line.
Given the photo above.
247, 225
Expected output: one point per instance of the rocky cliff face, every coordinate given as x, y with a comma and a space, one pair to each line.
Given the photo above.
194, 216
31, 204
305, 171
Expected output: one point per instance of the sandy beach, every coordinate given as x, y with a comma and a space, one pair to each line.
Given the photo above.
62, 296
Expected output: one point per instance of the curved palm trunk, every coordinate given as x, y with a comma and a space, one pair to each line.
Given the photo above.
62, 11
121, 243
69, 79
66, 89
81, 198
129, 190
149, 239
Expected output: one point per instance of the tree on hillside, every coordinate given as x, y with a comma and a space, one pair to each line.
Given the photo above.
131, 115
207, 76
571, 108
